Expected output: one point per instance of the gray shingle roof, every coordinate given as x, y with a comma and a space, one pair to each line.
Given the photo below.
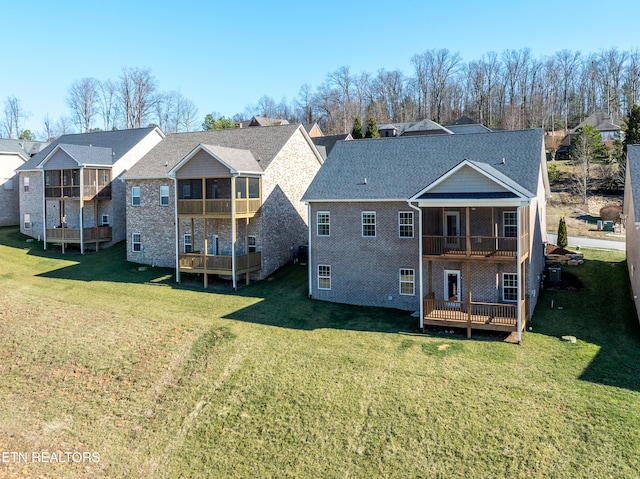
120, 142
398, 168
12, 146
601, 121
88, 155
264, 143
468, 128
633, 164
328, 142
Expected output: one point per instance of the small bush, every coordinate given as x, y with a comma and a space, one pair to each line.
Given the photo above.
611, 213
554, 174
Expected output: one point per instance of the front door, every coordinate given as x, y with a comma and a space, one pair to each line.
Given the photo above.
452, 285
452, 229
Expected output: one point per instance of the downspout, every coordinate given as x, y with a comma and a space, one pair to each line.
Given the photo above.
175, 219
233, 230
520, 278
44, 211
310, 269
420, 267
81, 222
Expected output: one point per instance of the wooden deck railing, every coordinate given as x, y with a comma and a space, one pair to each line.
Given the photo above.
196, 262
496, 314
218, 206
470, 245
72, 235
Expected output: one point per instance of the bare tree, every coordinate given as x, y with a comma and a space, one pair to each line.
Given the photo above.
304, 104
136, 94
63, 126
632, 81
567, 62
48, 128
108, 103
82, 99
14, 117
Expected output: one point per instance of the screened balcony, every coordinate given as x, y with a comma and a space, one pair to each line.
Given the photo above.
219, 197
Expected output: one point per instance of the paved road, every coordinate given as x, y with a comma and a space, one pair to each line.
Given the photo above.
591, 242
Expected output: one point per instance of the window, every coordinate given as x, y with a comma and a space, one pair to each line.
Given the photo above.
136, 243
407, 282
510, 224
368, 223
27, 221
188, 247
105, 220
25, 184
135, 196
509, 287
323, 223
324, 276
405, 224
164, 196
252, 244
8, 183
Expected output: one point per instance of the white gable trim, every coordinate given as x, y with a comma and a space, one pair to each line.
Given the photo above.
457, 168
52, 154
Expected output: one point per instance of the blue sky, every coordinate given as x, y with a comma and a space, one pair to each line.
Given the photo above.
226, 55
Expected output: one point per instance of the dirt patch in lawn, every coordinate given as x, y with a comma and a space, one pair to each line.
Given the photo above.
568, 282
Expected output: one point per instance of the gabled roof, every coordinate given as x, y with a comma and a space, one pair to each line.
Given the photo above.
414, 127
237, 160
119, 141
468, 128
263, 121
264, 144
82, 155
399, 168
13, 147
601, 121
633, 165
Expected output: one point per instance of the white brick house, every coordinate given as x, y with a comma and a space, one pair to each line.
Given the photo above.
224, 202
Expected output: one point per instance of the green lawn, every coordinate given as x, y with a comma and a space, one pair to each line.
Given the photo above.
169, 381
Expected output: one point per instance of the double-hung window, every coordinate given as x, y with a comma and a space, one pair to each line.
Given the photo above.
407, 282
27, 221
188, 246
136, 243
164, 196
323, 223
510, 287
324, 276
135, 196
25, 184
252, 244
510, 224
368, 223
405, 224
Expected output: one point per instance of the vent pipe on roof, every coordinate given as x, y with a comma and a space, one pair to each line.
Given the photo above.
503, 161
365, 181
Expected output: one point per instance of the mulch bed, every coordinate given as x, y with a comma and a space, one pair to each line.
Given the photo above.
568, 282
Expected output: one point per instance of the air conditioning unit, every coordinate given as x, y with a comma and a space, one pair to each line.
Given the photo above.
555, 274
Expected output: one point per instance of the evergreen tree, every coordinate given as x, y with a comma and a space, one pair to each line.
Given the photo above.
563, 239
356, 131
372, 128
632, 128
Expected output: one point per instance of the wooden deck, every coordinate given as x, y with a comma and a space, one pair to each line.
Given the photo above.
72, 235
219, 264
474, 315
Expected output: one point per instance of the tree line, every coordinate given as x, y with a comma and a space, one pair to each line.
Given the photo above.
512, 90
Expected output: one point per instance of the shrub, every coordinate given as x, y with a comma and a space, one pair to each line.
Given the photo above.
554, 174
610, 213
563, 239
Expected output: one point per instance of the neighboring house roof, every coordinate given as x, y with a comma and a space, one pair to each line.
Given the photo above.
463, 120
425, 126
313, 129
263, 143
601, 121
468, 128
83, 155
13, 147
263, 121
328, 142
633, 164
119, 141
399, 168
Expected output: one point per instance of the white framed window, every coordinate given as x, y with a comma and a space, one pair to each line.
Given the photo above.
323, 223
105, 220
135, 196
510, 287
405, 224
510, 224
407, 282
368, 223
136, 242
27, 221
25, 184
8, 183
324, 276
252, 243
164, 196
186, 242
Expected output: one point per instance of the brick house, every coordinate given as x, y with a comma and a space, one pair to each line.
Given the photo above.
72, 192
12, 156
222, 202
631, 210
452, 226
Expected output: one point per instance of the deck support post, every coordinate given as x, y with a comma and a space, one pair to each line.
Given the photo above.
468, 297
